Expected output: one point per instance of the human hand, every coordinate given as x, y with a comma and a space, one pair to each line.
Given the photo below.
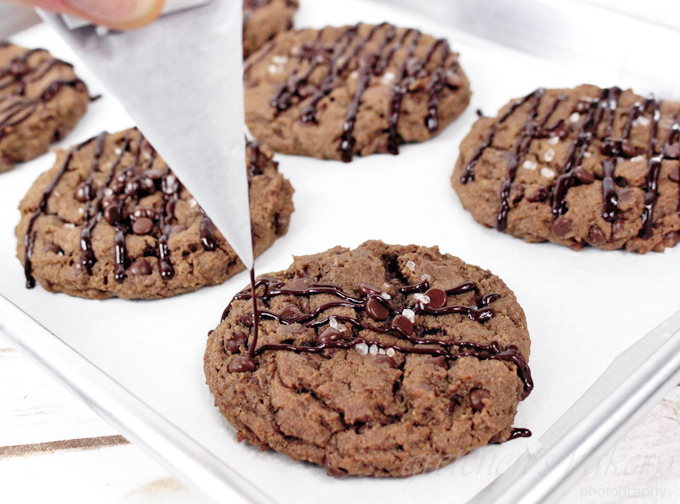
116, 14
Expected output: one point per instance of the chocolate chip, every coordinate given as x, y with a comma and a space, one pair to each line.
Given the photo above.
674, 175
562, 226
336, 472
298, 285
51, 247
282, 222
624, 194
672, 238
140, 267
232, 345
437, 297
584, 175
673, 151
143, 211
537, 195
142, 226
438, 361
618, 227
476, 398
329, 334
376, 309
367, 59
367, 289
516, 193
290, 313
83, 192
118, 184
112, 214
385, 359
403, 324
154, 173
596, 236
241, 364
132, 186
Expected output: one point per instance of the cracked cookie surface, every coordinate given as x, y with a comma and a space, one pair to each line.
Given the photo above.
111, 219
355, 90
378, 361
41, 100
582, 166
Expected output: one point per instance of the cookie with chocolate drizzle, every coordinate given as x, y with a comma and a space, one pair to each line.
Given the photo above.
263, 19
110, 219
378, 361
41, 100
356, 90
583, 166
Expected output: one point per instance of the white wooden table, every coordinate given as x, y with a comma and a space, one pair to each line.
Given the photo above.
55, 449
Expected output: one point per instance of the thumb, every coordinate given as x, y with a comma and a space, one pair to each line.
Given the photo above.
117, 14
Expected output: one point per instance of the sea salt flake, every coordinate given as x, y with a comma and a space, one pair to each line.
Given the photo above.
279, 60
642, 121
362, 348
69, 225
426, 277
574, 117
272, 69
81, 210
547, 173
422, 298
295, 50
637, 159
385, 295
108, 191
529, 165
390, 352
381, 351
333, 322
411, 265
354, 75
387, 78
549, 155
554, 140
409, 314
587, 154
373, 350
117, 151
192, 203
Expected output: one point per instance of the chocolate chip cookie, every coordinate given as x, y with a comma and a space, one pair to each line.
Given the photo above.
583, 166
263, 19
378, 361
111, 219
41, 100
355, 90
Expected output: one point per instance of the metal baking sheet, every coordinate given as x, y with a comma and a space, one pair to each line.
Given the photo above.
582, 308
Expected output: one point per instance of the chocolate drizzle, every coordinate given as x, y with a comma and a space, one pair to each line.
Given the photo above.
372, 302
594, 128
24, 71
349, 55
112, 192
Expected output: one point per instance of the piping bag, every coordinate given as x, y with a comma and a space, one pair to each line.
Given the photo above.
180, 79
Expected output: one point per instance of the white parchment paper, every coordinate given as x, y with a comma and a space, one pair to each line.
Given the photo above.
583, 308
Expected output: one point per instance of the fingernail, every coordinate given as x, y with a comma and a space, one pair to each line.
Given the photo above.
117, 13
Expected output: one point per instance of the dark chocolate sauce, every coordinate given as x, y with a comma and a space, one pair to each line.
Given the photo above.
400, 327
519, 432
